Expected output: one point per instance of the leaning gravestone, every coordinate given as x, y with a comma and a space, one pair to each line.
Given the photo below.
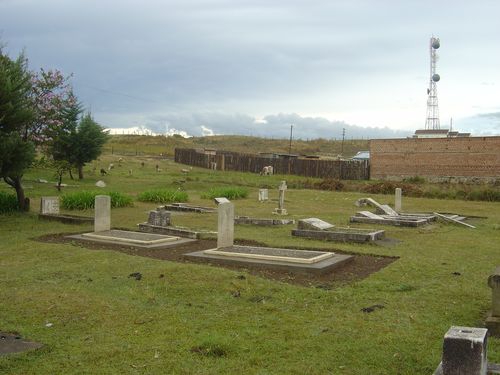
281, 202
49, 205
314, 223
102, 213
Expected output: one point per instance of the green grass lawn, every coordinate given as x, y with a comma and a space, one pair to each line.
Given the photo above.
188, 322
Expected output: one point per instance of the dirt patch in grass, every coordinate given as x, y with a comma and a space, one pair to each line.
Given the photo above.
362, 266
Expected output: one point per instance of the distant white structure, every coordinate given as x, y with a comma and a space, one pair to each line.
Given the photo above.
432, 121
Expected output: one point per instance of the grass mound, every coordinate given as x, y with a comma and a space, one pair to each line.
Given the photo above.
8, 202
83, 200
226, 192
163, 196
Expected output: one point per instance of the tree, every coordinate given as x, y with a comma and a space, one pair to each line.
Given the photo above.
88, 141
16, 116
78, 144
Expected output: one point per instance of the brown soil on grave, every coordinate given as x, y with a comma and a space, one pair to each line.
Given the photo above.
361, 267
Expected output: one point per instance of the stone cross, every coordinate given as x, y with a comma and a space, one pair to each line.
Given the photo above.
465, 351
281, 203
225, 225
397, 200
263, 195
49, 205
102, 213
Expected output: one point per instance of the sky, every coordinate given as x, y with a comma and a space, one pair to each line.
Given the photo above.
202, 67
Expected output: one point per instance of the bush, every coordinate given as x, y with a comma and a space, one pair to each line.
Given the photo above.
414, 180
330, 184
226, 192
8, 202
83, 200
163, 196
487, 194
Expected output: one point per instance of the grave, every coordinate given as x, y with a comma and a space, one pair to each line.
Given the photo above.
493, 319
263, 257
281, 200
263, 195
188, 208
104, 234
159, 221
318, 229
262, 222
49, 210
465, 352
397, 199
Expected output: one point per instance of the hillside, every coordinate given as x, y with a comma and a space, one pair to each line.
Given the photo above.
155, 145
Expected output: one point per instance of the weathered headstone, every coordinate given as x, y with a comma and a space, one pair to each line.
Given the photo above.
314, 223
263, 195
159, 218
102, 213
493, 319
49, 205
397, 200
465, 351
100, 184
225, 225
281, 201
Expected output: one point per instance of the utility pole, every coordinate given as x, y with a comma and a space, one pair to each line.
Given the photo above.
291, 136
343, 137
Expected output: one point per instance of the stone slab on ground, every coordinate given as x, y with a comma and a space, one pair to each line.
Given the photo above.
67, 219
188, 208
11, 343
136, 239
267, 253
402, 221
176, 231
262, 222
313, 223
320, 267
342, 234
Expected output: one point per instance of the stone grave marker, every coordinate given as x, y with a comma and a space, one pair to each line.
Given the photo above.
102, 213
397, 200
493, 319
314, 223
281, 202
49, 205
263, 195
159, 218
225, 225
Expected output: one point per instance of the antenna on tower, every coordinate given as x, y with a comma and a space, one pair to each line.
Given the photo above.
432, 121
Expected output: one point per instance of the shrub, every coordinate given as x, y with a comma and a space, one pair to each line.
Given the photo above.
486, 194
226, 192
329, 184
163, 196
414, 180
83, 200
8, 202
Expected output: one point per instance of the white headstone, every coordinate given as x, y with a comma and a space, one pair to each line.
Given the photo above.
102, 213
397, 200
225, 225
263, 195
49, 205
100, 184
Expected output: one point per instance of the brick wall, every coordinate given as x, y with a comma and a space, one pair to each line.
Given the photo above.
436, 158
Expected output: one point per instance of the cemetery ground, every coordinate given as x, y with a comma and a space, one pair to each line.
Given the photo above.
188, 318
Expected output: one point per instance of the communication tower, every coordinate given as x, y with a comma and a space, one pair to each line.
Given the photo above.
432, 121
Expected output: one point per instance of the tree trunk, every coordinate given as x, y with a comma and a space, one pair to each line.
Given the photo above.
22, 201
80, 172
70, 174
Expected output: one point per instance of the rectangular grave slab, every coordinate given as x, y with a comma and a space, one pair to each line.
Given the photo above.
385, 220
177, 231
342, 234
130, 238
238, 259
262, 222
314, 223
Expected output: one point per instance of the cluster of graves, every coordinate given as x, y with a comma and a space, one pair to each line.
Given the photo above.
464, 348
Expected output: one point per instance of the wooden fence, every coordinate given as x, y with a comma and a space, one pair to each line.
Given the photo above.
233, 161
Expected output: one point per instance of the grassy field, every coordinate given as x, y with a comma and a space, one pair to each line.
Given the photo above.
189, 322
155, 145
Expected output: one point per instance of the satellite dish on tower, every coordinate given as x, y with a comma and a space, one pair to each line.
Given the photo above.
436, 77
435, 43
